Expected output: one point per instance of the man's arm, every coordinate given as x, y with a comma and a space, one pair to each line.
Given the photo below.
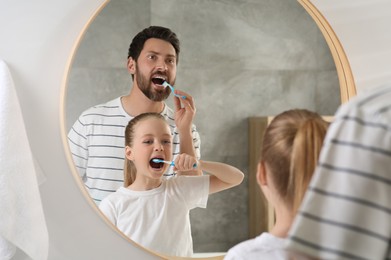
189, 138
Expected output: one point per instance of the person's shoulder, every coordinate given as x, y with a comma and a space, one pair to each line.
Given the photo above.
168, 112
112, 104
270, 241
97, 112
245, 246
244, 249
369, 104
176, 181
263, 242
114, 196
265, 246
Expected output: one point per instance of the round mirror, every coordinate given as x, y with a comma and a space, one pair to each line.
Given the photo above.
238, 59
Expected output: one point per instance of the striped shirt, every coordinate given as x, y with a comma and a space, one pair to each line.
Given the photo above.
97, 144
346, 213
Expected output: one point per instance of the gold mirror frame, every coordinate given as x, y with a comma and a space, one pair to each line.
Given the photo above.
69, 158
345, 75
256, 200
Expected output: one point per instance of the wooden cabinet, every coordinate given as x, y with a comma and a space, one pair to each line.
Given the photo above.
261, 213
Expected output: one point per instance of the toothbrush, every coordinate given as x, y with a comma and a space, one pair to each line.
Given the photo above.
165, 84
168, 162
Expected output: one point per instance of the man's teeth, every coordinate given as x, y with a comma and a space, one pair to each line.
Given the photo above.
157, 79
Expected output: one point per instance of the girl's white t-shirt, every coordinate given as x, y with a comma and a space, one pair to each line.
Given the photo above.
264, 246
159, 219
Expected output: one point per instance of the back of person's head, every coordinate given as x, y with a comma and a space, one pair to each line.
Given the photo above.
157, 32
130, 170
290, 149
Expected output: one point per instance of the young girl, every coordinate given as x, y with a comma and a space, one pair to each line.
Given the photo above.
154, 211
289, 154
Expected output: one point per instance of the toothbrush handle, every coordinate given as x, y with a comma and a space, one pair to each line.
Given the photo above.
173, 91
173, 164
183, 97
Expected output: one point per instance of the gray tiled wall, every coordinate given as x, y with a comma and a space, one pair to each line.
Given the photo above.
239, 58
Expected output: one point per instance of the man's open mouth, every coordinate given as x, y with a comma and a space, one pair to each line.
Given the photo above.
158, 79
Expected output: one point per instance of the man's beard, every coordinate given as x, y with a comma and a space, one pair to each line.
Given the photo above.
144, 85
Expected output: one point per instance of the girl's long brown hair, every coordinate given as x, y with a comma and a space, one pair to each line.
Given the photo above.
291, 147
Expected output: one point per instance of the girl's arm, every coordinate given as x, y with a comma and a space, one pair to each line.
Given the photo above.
223, 176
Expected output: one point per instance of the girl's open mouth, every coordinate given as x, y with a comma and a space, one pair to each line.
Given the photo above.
156, 165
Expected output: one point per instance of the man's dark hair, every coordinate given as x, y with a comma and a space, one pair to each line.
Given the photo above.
157, 32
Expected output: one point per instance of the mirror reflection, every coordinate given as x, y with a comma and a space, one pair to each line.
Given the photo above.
238, 59
150, 209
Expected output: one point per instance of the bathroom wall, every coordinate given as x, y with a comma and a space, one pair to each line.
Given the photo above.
238, 59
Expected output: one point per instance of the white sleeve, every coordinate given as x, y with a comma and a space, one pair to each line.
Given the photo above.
194, 190
108, 209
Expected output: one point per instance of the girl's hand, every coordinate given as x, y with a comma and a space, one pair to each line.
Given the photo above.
185, 162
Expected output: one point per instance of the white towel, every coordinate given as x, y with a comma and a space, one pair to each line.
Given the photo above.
22, 222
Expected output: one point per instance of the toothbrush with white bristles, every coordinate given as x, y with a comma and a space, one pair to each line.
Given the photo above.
171, 163
165, 84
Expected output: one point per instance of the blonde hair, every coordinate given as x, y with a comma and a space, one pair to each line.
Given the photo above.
130, 170
291, 147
